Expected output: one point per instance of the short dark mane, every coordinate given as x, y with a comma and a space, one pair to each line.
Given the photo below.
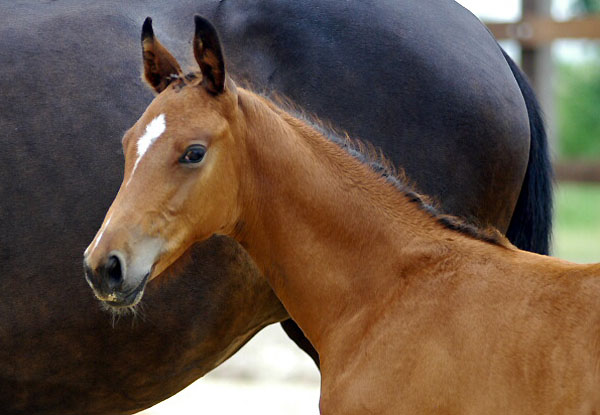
373, 157
179, 81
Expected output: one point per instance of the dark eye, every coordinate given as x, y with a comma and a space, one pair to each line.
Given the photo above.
193, 154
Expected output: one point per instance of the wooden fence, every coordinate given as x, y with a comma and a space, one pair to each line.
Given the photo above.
535, 33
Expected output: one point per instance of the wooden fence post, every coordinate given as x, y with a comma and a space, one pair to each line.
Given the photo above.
535, 32
536, 61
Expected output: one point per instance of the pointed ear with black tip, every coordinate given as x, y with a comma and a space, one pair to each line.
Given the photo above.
209, 55
160, 67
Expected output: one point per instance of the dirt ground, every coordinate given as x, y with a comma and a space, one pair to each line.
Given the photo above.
269, 376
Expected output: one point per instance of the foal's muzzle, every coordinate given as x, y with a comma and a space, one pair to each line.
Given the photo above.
109, 284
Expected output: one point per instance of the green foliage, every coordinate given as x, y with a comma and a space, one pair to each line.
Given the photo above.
578, 109
577, 222
586, 6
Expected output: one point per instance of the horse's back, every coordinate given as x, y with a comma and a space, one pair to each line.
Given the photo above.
496, 331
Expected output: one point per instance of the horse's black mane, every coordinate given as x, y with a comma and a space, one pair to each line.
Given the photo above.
368, 154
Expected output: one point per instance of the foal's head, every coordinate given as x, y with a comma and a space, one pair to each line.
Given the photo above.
181, 173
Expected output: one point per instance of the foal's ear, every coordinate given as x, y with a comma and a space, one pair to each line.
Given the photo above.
160, 67
208, 53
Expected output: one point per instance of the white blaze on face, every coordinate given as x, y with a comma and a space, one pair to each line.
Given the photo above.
153, 130
99, 237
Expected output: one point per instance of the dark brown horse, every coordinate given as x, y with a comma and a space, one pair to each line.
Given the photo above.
70, 88
411, 311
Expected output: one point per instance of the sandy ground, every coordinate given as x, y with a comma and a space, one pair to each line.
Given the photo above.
269, 376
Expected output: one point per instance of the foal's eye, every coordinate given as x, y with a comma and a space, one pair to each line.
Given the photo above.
193, 154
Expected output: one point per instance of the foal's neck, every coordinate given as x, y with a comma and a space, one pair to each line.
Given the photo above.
330, 234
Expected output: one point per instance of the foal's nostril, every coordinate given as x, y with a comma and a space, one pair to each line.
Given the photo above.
114, 272
89, 274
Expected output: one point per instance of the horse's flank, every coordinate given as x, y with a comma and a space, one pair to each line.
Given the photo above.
384, 291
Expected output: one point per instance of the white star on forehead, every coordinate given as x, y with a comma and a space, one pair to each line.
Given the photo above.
153, 130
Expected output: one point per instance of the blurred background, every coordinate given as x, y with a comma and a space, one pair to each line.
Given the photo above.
557, 43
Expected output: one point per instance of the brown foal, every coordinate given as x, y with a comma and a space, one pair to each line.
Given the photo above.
410, 311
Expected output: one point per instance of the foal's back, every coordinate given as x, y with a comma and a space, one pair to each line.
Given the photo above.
498, 331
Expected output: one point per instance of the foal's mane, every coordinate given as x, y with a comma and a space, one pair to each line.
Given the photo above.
373, 157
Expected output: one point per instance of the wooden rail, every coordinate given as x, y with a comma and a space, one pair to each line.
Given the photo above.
536, 31
578, 171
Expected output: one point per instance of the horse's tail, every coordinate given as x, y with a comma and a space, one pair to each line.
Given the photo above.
531, 224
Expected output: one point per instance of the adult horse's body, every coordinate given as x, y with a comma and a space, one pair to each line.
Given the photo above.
411, 311
69, 90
